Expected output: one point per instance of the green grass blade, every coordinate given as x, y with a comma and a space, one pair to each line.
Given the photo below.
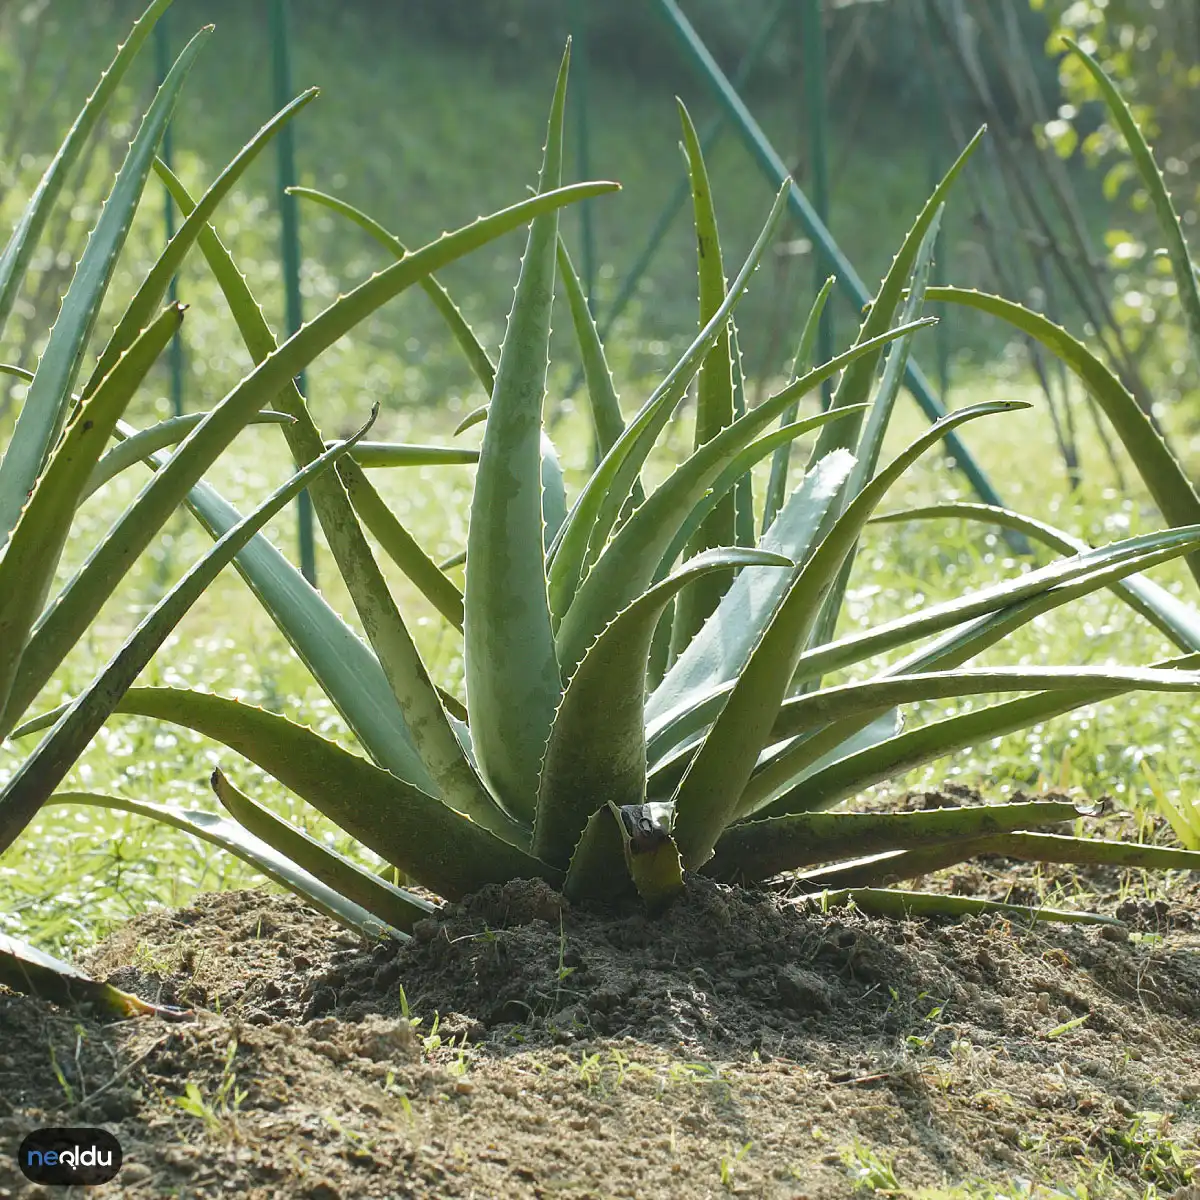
156, 283
46, 404
777, 489
33, 972
756, 850
855, 385
28, 563
604, 495
266, 859
1172, 618
714, 395
513, 683
597, 748
46, 767
1152, 178
607, 420
1165, 479
708, 794
25, 237
430, 842
392, 905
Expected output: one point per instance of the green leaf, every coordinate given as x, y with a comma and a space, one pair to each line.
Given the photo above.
44, 412
28, 231
513, 684
29, 561
651, 855
1156, 187
708, 795
24, 968
397, 908
777, 485
596, 510
597, 748
1160, 470
756, 850
903, 905
264, 858
598, 874
714, 394
401, 454
44, 769
430, 842
743, 491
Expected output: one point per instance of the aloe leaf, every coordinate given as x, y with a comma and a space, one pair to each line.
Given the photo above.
743, 490
777, 489
1165, 479
597, 747
708, 794
475, 417
903, 905
21, 245
1175, 620
1059, 848
756, 850
46, 404
809, 712
714, 394
651, 855
513, 683
29, 561
722, 648
25, 968
145, 442
1156, 187
855, 385
630, 561
856, 772
462, 333
156, 283
402, 454
44, 769
607, 420
395, 907
264, 858
598, 874
430, 842
595, 512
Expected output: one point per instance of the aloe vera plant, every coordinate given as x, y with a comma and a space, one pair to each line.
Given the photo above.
646, 672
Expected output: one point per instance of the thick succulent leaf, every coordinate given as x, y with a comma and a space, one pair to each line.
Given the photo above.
722, 648
1152, 178
1174, 619
31, 557
651, 855
856, 772
708, 794
743, 491
145, 442
25, 968
476, 416
808, 713
904, 905
20, 247
401, 454
607, 420
595, 512
597, 748
777, 484
1160, 470
714, 394
44, 769
633, 556
756, 850
440, 848
554, 494
44, 412
598, 874
263, 857
398, 909
148, 297
513, 683
855, 384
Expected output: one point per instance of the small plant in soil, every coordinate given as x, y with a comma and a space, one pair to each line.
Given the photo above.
655, 682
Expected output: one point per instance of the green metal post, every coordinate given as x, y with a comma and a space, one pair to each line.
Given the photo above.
291, 245
812, 34
579, 86
162, 54
772, 166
